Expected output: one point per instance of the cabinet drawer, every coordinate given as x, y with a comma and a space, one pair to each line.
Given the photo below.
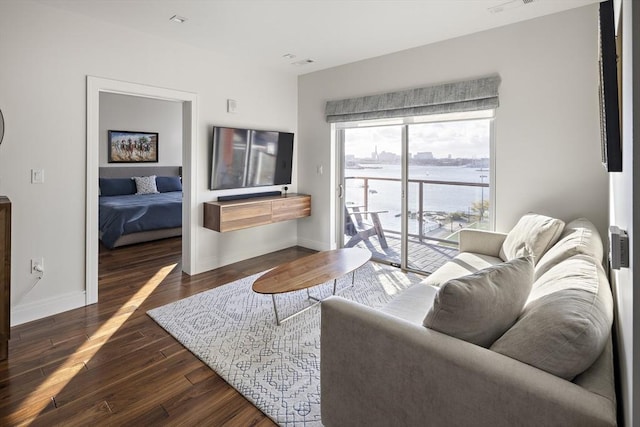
291, 208
243, 216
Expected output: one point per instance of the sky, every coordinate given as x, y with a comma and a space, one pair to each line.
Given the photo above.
464, 139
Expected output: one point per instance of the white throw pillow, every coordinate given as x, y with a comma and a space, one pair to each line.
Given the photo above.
145, 184
480, 307
579, 236
533, 232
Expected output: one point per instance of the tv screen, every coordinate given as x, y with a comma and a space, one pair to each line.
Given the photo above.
250, 158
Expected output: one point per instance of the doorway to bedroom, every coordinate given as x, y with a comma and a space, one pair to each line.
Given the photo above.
187, 105
140, 177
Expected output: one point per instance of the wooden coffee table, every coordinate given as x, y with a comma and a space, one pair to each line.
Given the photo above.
310, 271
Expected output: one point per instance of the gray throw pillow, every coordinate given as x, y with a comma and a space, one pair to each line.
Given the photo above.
480, 307
533, 232
566, 322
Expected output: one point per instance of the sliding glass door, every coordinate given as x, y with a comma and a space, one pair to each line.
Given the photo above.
372, 182
410, 186
449, 173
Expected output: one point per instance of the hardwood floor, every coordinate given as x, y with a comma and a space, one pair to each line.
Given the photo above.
110, 364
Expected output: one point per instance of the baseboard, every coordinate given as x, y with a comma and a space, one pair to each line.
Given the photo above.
314, 244
43, 308
211, 263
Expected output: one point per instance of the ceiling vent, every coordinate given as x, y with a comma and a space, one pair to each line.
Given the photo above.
177, 18
508, 5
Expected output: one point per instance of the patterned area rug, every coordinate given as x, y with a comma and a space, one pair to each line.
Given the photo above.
233, 330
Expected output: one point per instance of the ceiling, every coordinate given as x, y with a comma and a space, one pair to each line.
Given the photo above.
330, 32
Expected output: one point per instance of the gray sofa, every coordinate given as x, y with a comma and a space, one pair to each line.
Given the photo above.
552, 366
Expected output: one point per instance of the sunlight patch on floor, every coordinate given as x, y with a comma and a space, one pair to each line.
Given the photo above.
392, 280
52, 385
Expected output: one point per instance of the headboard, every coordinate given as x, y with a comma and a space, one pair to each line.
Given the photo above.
128, 172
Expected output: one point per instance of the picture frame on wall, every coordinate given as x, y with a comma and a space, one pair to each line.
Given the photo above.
132, 147
608, 61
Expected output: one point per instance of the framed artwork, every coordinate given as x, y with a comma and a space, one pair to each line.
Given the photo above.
133, 147
610, 128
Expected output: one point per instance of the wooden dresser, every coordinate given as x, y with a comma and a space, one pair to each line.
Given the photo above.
238, 214
5, 275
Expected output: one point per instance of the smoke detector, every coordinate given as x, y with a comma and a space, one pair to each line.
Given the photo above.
177, 18
303, 62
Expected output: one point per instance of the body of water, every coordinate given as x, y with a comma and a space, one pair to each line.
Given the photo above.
437, 198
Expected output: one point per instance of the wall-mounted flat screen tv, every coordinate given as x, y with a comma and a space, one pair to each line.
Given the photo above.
250, 158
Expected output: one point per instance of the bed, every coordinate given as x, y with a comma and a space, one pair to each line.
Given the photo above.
126, 217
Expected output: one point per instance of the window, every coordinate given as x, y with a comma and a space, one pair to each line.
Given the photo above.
423, 178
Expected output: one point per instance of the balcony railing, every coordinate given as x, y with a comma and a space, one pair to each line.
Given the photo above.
420, 215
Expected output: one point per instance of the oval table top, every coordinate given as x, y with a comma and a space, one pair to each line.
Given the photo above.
311, 270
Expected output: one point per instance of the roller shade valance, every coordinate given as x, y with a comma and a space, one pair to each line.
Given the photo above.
470, 95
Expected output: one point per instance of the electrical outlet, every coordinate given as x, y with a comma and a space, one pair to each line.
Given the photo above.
37, 266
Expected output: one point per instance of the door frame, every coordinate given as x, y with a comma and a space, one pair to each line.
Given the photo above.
189, 100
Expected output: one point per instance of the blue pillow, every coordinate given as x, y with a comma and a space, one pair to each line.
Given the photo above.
166, 184
117, 186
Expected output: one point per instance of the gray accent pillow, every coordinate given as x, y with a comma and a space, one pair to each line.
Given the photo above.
533, 232
480, 307
566, 321
145, 184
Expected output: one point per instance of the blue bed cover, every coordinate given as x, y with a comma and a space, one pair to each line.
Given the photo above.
132, 213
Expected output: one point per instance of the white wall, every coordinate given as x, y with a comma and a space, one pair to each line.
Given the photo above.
46, 55
622, 202
547, 134
134, 113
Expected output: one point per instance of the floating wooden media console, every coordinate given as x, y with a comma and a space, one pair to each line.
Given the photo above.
238, 214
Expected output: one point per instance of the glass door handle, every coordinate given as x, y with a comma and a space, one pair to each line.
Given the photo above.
340, 191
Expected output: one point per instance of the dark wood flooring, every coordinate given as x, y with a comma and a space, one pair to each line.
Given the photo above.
110, 364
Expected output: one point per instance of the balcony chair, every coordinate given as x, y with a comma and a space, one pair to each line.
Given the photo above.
359, 229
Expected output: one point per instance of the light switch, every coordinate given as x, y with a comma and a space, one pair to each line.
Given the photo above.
37, 176
232, 106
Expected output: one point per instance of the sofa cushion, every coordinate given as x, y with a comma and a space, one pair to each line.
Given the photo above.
480, 307
566, 321
413, 303
578, 237
533, 232
463, 264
